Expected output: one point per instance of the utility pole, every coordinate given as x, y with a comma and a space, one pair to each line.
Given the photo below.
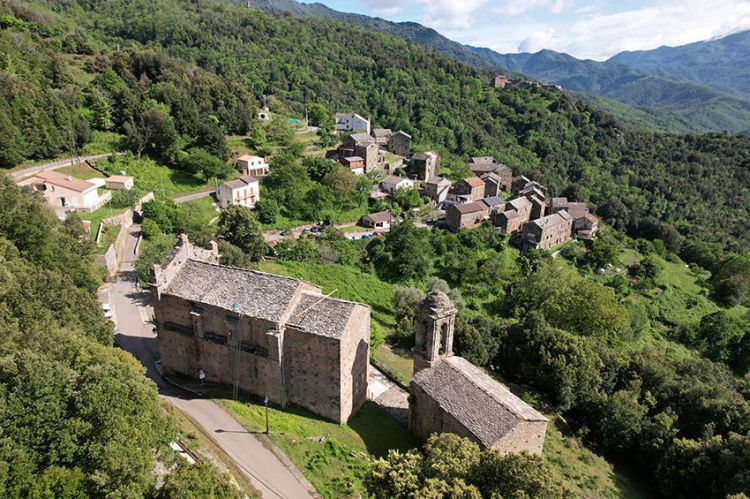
265, 403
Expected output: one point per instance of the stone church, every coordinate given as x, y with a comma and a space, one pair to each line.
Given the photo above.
451, 395
268, 335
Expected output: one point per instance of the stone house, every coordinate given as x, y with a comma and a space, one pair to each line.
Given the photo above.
586, 227
400, 144
501, 81
379, 220
518, 183
538, 208
253, 165
364, 146
352, 122
390, 184
119, 182
467, 190
268, 335
65, 192
484, 165
451, 395
243, 191
424, 165
523, 206
437, 188
547, 232
381, 136
466, 216
508, 221
493, 184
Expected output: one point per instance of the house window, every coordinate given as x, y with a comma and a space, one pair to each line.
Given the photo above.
219, 339
178, 328
254, 348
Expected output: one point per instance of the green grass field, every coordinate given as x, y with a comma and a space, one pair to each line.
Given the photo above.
333, 457
202, 210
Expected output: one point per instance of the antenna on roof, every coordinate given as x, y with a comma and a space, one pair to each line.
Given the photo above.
304, 312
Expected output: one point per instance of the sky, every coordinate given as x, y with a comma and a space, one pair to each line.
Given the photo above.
595, 29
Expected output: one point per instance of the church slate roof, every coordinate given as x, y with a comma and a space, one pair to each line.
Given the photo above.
255, 294
322, 315
482, 405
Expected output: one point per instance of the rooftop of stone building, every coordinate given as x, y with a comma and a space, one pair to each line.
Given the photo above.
485, 407
247, 292
322, 315
438, 303
558, 218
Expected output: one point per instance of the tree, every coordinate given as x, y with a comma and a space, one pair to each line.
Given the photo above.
397, 476
318, 168
403, 254
150, 229
318, 115
237, 225
516, 475
267, 210
211, 138
720, 336
153, 132
197, 481
202, 163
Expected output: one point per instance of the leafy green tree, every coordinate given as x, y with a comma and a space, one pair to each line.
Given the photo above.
397, 476
211, 138
516, 475
153, 132
402, 254
267, 210
231, 255
318, 115
318, 168
237, 225
197, 481
202, 163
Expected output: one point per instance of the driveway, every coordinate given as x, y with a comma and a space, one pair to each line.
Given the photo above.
53, 165
258, 463
195, 195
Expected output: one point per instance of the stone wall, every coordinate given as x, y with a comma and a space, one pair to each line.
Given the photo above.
355, 355
527, 436
311, 374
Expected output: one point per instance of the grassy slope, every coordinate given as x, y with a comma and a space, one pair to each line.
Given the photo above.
333, 457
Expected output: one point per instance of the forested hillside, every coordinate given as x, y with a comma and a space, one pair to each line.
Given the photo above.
192, 71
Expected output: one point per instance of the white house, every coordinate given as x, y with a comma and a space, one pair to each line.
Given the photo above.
253, 165
244, 191
380, 220
351, 122
66, 193
390, 184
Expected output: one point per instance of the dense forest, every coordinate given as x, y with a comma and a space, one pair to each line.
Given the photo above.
187, 71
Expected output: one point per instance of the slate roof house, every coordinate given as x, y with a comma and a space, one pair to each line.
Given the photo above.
424, 165
351, 122
451, 395
466, 215
547, 232
381, 135
400, 144
269, 335
390, 184
437, 188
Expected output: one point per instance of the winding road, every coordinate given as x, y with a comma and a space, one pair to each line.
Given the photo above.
270, 473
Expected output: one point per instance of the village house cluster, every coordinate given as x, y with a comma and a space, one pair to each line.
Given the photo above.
364, 150
515, 205
502, 82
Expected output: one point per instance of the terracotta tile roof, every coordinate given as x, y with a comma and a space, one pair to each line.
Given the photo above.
67, 181
482, 405
474, 181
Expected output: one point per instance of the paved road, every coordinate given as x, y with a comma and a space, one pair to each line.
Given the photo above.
52, 165
195, 195
260, 465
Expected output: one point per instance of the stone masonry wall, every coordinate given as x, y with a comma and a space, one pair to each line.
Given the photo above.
527, 436
311, 375
355, 355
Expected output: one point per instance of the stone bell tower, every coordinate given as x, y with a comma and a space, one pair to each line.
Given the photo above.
434, 322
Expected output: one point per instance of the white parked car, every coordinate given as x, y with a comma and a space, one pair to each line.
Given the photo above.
107, 309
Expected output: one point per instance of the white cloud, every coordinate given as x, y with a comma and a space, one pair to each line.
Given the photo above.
668, 22
537, 41
450, 14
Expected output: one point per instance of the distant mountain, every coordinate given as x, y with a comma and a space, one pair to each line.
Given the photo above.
723, 64
662, 101
681, 105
